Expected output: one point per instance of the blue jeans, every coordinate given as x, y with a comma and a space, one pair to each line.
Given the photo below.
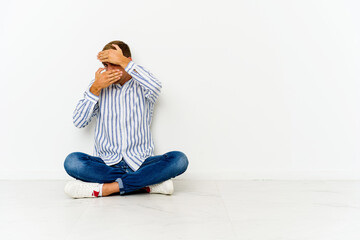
154, 169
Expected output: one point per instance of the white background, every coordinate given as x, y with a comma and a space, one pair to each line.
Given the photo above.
251, 89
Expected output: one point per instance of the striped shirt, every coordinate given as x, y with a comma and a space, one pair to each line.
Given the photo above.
124, 115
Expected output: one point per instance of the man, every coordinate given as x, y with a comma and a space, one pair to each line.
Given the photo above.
122, 98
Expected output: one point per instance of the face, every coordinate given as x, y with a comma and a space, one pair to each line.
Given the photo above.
110, 66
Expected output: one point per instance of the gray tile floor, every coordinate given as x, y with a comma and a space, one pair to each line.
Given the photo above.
284, 210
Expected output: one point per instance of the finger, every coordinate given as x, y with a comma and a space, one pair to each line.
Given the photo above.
100, 54
115, 72
110, 76
114, 80
115, 75
117, 48
100, 70
103, 59
103, 53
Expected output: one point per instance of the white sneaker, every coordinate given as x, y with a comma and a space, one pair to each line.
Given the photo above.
80, 189
166, 187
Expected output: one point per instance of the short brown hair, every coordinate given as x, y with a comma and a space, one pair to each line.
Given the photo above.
124, 47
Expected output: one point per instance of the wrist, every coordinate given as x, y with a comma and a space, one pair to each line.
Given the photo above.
95, 89
125, 62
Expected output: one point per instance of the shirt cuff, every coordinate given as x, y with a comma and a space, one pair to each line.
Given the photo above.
131, 65
90, 96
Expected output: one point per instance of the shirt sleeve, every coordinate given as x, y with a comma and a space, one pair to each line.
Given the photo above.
147, 80
86, 109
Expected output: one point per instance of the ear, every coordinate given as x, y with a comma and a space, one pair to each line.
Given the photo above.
130, 58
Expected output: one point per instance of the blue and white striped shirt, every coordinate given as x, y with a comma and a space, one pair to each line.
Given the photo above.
124, 115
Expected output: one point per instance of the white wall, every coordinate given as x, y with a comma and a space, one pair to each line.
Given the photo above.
251, 89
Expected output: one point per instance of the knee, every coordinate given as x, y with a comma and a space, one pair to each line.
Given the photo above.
71, 163
180, 160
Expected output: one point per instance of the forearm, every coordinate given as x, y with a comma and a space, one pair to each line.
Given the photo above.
83, 113
86, 108
144, 78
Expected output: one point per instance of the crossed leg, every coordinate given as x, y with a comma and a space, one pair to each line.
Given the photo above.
119, 177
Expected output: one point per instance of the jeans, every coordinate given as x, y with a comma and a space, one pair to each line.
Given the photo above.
155, 169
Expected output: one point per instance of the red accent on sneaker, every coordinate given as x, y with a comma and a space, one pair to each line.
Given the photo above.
147, 189
95, 193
